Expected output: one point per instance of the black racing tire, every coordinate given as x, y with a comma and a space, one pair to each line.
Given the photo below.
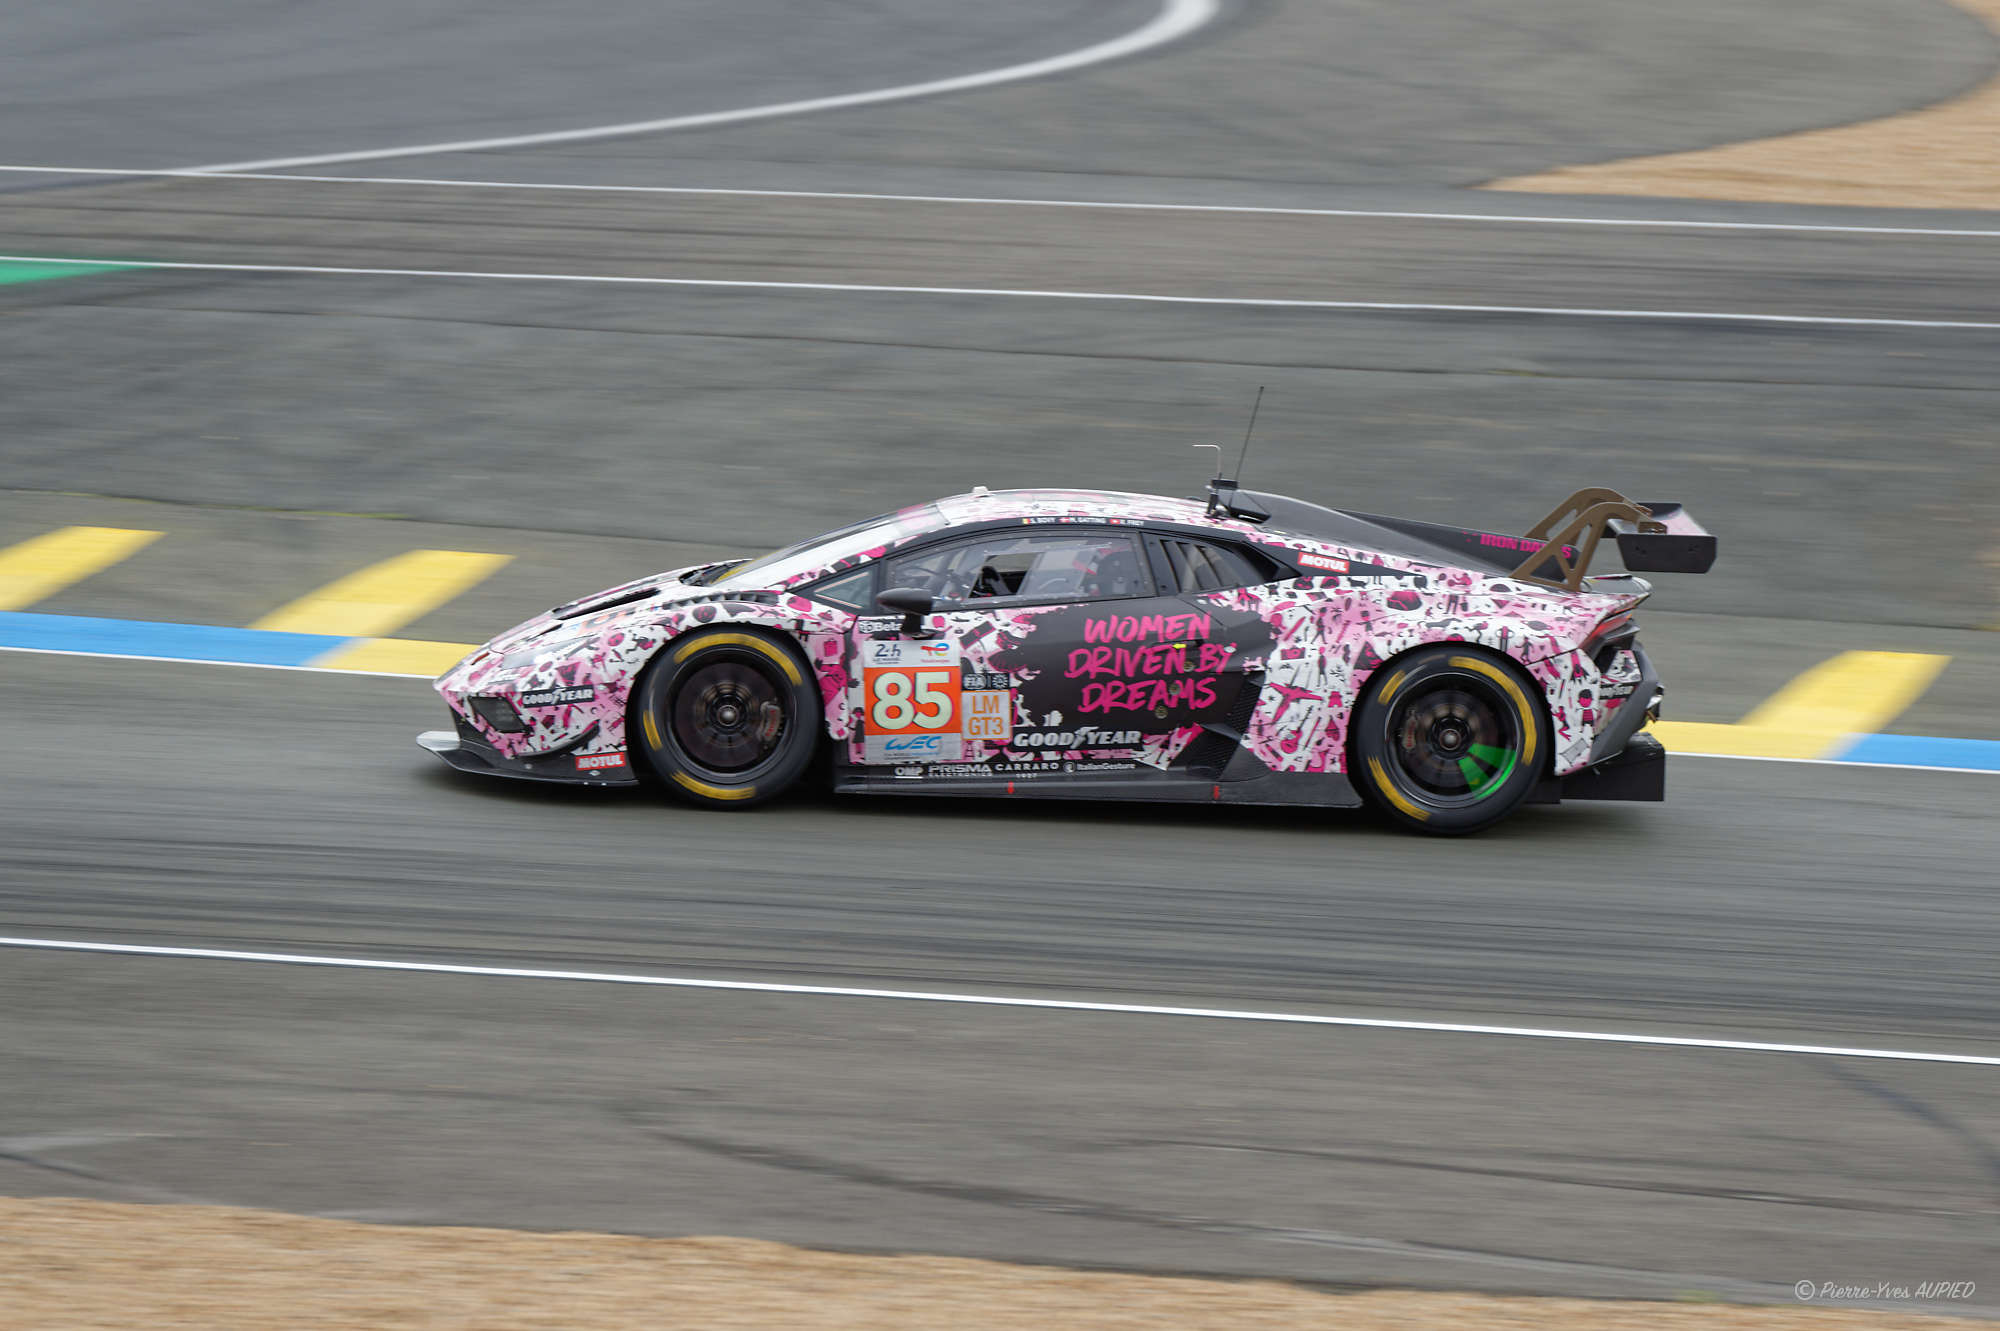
729, 717
1449, 739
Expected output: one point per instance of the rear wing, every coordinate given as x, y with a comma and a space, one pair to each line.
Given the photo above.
1652, 538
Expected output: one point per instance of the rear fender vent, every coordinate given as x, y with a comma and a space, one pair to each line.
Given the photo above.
1212, 749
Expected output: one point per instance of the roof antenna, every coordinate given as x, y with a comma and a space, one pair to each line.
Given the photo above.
1246, 433
1224, 497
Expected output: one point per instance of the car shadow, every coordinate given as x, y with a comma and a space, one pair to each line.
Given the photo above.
878, 811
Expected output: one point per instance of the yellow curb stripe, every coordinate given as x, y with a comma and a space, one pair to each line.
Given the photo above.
1854, 693
378, 600
397, 656
37, 569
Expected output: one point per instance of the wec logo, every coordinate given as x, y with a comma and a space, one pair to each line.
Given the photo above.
911, 746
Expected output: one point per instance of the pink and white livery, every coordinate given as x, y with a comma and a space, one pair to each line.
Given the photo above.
1084, 644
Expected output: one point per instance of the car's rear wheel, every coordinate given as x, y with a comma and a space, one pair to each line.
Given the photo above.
728, 717
1449, 740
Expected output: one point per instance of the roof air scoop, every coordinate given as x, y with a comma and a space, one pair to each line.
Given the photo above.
1225, 497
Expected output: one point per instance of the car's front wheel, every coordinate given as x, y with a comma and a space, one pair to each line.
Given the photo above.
1449, 739
728, 717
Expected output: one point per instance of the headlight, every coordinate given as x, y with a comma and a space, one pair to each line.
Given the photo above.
522, 657
499, 714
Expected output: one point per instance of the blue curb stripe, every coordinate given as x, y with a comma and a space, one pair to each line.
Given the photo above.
1979, 755
179, 642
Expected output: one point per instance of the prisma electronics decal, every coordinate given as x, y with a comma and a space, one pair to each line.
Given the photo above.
1013, 771
591, 762
556, 696
911, 694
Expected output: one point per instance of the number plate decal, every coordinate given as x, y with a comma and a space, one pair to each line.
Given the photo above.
912, 709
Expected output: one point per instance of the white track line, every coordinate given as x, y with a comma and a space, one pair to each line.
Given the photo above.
996, 1000
1835, 762
1525, 219
856, 288
1176, 19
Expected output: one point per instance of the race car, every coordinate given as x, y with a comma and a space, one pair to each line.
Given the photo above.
1247, 648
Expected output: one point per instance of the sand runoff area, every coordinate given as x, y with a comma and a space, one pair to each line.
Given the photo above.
1941, 156
66, 1265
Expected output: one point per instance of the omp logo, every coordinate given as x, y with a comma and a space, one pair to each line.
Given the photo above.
558, 696
913, 745
1085, 737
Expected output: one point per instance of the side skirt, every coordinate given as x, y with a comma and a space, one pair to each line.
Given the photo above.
1326, 790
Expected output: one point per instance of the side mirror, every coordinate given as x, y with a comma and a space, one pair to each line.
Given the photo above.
913, 602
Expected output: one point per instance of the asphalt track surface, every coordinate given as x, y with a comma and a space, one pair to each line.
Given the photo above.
1850, 469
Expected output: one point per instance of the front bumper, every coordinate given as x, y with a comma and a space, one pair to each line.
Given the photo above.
468, 753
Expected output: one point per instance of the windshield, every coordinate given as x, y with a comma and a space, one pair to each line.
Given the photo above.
821, 552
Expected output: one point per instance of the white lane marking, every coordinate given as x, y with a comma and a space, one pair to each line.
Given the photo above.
214, 661
857, 288
1525, 219
998, 1000
1176, 19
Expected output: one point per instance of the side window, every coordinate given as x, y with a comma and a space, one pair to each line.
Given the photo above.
849, 589
1025, 569
1200, 567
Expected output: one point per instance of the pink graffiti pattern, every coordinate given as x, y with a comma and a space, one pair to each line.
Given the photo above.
1330, 634
1333, 633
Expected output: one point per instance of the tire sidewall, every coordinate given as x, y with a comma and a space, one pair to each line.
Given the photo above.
651, 718
1371, 747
